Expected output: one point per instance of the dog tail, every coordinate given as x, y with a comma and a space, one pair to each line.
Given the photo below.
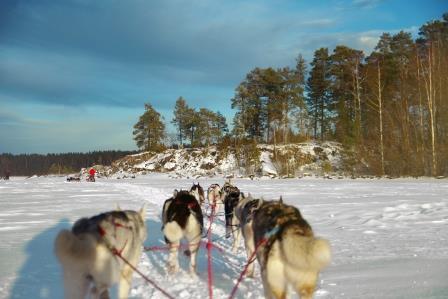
305, 252
71, 248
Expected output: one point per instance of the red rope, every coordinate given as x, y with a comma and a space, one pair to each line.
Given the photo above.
250, 260
209, 247
117, 253
166, 248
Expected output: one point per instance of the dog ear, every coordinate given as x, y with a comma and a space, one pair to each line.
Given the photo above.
117, 207
260, 202
280, 200
249, 196
142, 211
175, 193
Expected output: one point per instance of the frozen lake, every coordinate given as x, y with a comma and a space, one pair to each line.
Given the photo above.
389, 237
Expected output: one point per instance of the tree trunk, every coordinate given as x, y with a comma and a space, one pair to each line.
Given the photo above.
380, 112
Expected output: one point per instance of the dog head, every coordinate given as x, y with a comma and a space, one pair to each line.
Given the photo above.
213, 193
246, 207
198, 192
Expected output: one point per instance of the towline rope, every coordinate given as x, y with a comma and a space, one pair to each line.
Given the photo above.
209, 247
117, 253
146, 278
251, 259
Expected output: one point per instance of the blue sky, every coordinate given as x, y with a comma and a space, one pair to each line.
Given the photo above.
75, 74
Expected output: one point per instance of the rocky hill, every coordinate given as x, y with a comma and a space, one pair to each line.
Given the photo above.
291, 160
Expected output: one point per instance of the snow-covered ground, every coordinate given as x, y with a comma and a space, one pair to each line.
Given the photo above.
389, 237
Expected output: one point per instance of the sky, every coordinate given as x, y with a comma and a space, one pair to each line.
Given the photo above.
75, 74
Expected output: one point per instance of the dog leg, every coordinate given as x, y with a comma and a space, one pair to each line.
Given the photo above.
124, 285
193, 247
304, 283
236, 234
274, 274
236, 241
193, 235
173, 260
250, 246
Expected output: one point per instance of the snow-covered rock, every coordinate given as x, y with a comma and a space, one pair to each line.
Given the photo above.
263, 160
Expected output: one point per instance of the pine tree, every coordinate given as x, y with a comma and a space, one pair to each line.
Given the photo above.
319, 101
179, 120
149, 131
249, 101
346, 74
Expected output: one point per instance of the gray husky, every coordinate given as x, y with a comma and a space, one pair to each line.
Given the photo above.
244, 213
182, 217
290, 254
87, 253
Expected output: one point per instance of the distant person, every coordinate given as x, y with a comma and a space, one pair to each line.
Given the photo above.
91, 175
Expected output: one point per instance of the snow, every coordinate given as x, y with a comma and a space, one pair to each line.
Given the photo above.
266, 164
389, 237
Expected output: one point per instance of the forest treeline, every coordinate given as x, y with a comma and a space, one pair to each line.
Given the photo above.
35, 164
389, 107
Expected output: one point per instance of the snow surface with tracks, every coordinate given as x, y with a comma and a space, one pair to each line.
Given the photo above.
389, 237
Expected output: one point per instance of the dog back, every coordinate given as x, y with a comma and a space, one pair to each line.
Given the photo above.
180, 207
285, 224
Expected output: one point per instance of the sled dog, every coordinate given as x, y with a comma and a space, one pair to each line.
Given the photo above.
244, 212
232, 196
292, 254
182, 217
198, 192
86, 253
214, 197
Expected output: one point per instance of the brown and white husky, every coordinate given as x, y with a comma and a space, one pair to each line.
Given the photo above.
86, 253
290, 254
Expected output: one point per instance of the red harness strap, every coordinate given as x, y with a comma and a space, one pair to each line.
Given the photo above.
118, 253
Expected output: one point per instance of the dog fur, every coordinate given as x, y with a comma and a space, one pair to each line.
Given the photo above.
244, 213
292, 255
86, 256
232, 195
214, 198
182, 218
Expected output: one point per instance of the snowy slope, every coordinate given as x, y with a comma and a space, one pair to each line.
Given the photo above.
389, 237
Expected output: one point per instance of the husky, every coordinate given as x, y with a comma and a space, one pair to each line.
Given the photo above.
214, 196
182, 217
292, 255
198, 192
232, 196
88, 253
244, 213
71, 178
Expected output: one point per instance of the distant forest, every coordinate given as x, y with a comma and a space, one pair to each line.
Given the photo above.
31, 164
390, 107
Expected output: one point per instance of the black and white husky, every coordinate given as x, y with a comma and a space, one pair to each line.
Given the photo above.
290, 254
232, 195
87, 253
182, 218
198, 192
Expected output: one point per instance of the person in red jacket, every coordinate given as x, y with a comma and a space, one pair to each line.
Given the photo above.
91, 175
